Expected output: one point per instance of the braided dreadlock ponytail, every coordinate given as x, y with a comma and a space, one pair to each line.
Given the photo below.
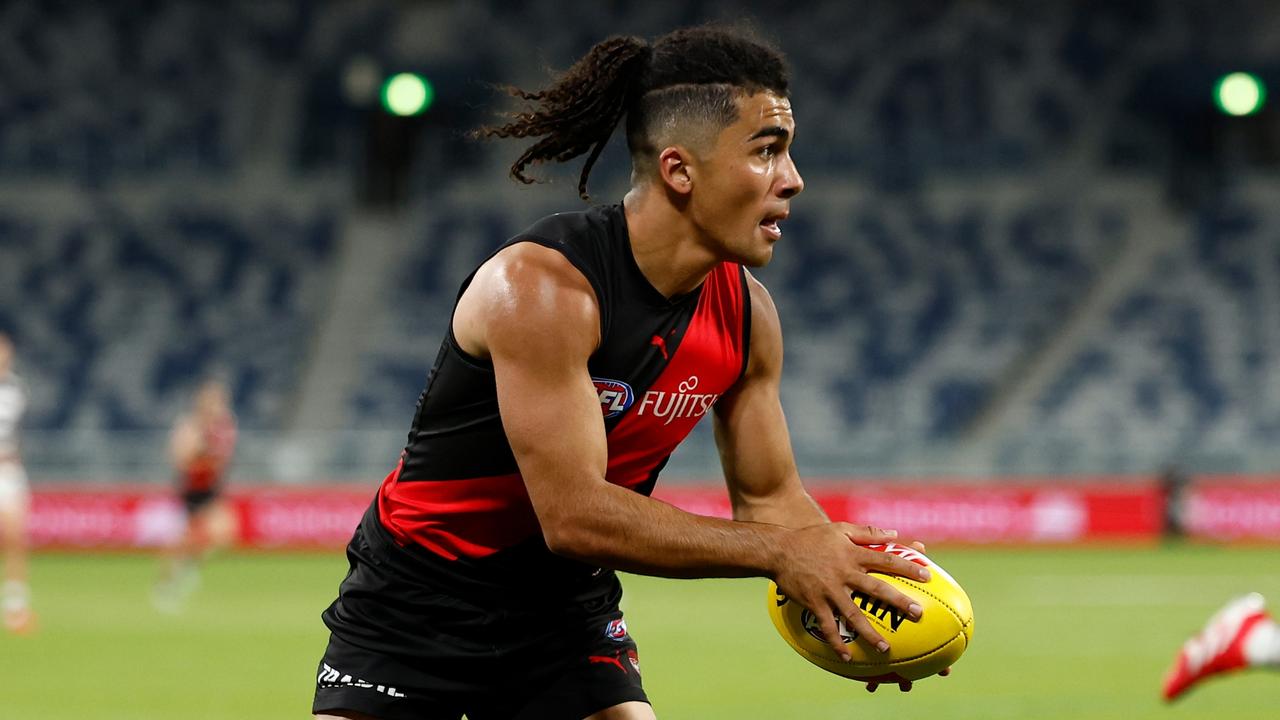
580, 111
689, 73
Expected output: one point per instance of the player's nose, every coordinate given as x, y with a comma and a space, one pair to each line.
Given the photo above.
791, 183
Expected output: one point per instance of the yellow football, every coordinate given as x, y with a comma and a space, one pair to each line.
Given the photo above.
916, 649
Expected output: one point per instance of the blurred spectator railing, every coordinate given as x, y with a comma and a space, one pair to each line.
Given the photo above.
261, 457
365, 456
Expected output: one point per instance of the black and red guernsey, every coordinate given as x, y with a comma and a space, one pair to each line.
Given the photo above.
662, 363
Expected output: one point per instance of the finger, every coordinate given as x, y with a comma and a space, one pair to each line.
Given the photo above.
881, 590
871, 686
867, 534
918, 545
904, 686
893, 565
863, 627
831, 632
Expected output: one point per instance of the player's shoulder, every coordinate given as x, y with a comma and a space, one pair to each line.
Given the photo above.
526, 295
582, 248
522, 268
548, 277
527, 284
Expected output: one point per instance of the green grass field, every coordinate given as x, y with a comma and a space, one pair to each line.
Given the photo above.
1059, 634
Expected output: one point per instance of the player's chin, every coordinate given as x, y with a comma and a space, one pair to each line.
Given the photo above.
760, 252
757, 257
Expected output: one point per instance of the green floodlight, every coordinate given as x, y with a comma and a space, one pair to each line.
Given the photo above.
1239, 93
406, 94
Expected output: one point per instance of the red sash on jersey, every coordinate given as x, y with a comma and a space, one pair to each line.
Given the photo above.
478, 516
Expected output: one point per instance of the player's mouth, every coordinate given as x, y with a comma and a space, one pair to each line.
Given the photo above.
770, 225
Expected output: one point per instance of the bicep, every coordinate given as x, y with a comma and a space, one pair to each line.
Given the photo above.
553, 423
539, 325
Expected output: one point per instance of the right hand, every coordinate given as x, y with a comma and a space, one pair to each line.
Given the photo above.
821, 566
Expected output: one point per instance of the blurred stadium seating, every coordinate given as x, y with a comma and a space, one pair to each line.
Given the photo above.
119, 308
984, 275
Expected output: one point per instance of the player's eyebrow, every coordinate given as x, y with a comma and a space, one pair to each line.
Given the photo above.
773, 130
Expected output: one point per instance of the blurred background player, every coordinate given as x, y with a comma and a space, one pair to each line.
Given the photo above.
201, 447
1239, 636
15, 498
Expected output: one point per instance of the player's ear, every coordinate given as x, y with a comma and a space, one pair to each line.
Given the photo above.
676, 169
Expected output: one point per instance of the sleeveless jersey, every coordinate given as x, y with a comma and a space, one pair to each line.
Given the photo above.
660, 367
204, 471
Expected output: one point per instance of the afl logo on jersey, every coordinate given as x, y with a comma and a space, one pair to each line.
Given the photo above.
615, 396
616, 630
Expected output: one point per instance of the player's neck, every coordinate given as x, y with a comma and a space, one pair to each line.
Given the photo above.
666, 246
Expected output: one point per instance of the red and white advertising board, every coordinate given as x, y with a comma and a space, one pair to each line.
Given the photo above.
1233, 508
1019, 511
135, 518
967, 513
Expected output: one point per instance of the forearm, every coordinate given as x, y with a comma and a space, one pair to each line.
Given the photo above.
622, 530
790, 507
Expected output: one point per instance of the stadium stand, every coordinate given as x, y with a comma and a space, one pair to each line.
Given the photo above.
120, 309
174, 203
1184, 364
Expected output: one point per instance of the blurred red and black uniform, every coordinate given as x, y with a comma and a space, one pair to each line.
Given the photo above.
453, 603
200, 478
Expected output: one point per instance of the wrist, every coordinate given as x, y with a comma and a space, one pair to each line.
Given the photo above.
774, 542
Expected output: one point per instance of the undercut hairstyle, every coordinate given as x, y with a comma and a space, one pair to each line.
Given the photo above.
692, 76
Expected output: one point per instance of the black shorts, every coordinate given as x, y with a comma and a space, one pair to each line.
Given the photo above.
196, 500
409, 643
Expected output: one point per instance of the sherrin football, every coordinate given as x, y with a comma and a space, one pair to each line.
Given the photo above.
916, 649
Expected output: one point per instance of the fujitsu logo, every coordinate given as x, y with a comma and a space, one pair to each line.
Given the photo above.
674, 405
